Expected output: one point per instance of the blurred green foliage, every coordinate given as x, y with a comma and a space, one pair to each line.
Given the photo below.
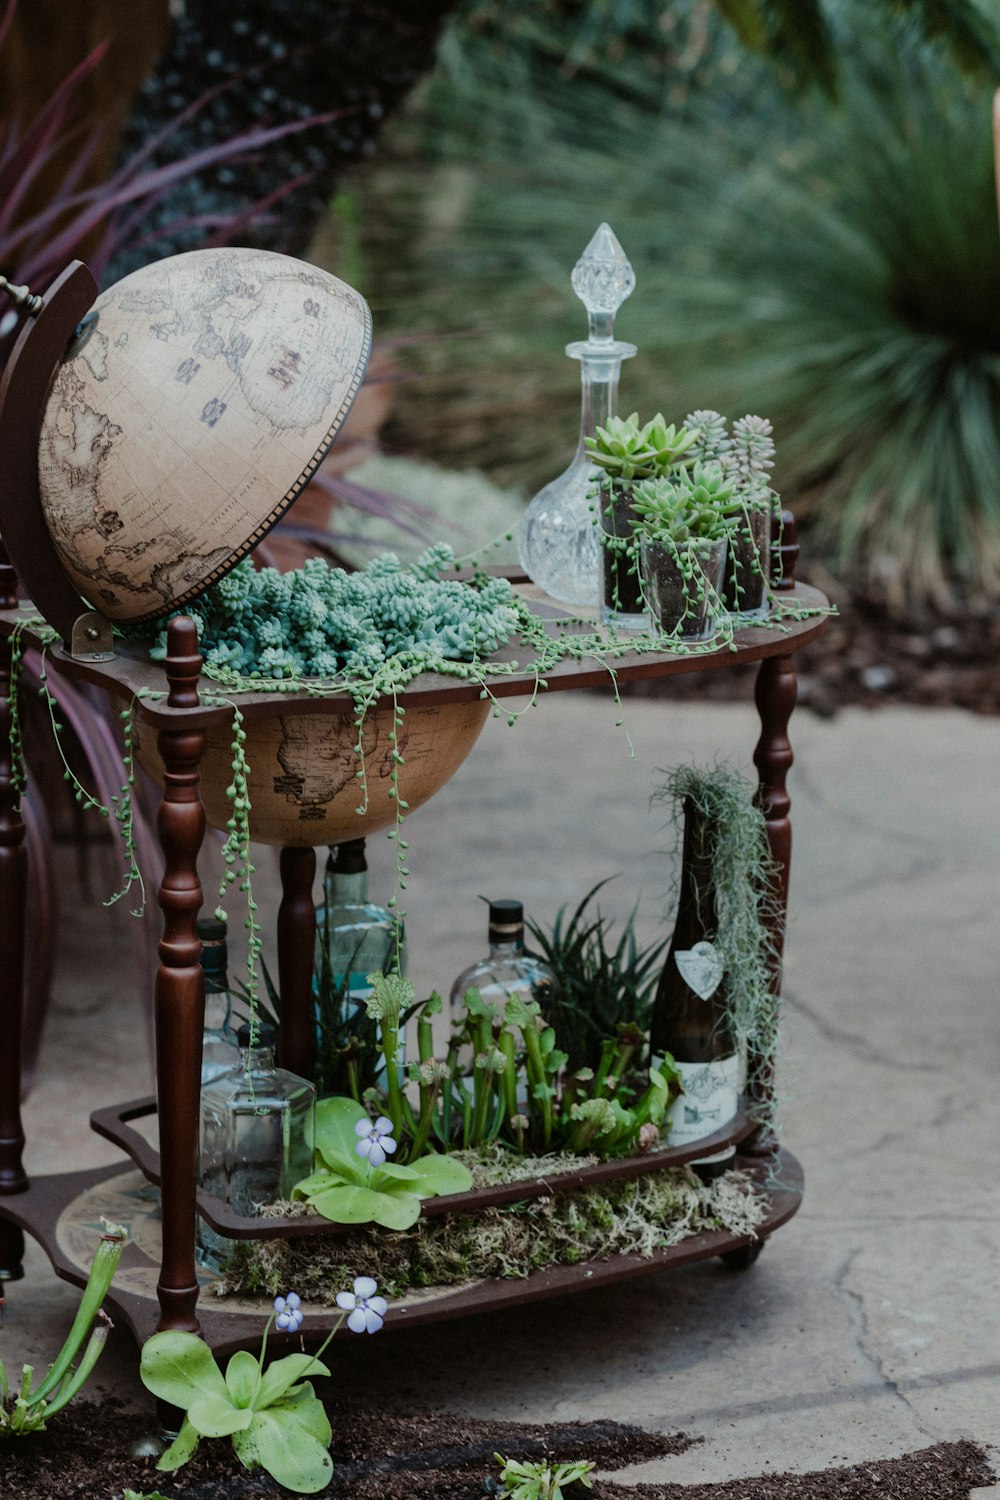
832, 263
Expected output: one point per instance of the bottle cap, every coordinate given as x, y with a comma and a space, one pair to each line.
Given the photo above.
350, 858
211, 930
265, 1035
506, 920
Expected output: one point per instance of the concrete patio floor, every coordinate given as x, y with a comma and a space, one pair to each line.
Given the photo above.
870, 1326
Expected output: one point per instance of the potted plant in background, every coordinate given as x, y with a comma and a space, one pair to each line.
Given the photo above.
625, 452
683, 536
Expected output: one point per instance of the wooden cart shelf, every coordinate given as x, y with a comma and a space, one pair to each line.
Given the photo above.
114, 1123
158, 1285
60, 1211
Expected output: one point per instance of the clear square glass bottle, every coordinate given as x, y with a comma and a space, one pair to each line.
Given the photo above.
257, 1130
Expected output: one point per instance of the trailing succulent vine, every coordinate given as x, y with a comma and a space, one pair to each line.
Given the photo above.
120, 804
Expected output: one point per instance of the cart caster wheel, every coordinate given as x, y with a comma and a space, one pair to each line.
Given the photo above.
743, 1258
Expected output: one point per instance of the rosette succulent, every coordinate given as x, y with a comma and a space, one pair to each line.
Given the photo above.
626, 449
691, 507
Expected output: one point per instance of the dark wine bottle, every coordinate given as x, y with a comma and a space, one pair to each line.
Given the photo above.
689, 1018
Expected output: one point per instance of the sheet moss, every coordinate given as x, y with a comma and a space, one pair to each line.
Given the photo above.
637, 1217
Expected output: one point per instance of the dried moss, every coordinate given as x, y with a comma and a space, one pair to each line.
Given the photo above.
637, 1217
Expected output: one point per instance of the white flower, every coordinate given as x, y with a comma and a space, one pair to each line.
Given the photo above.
366, 1310
376, 1141
290, 1315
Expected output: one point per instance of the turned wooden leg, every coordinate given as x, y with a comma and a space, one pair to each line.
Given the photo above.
180, 987
13, 908
775, 696
296, 943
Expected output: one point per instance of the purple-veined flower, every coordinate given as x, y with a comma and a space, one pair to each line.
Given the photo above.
366, 1311
289, 1310
376, 1141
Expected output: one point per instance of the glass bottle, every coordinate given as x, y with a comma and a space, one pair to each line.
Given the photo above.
257, 1129
354, 937
219, 1052
557, 539
506, 970
689, 1018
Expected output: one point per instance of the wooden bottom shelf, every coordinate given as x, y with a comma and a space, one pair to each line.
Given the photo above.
63, 1213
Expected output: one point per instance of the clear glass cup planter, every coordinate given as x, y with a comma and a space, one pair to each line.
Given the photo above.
682, 582
622, 603
744, 590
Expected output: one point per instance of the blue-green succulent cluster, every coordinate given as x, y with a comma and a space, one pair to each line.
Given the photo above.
322, 622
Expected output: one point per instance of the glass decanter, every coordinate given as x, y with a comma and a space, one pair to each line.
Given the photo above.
557, 538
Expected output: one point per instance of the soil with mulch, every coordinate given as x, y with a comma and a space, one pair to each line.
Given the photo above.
85, 1455
870, 657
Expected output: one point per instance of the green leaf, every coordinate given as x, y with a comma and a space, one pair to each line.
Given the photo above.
347, 1205
391, 1172
440, 1174
242, 1378
398, 1211
177, 1367
183, 1448
309, 1413
335, 1134
283, 1446
281, 1375
324, 1178
216, 1416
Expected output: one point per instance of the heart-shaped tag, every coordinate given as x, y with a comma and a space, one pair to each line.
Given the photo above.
701, 969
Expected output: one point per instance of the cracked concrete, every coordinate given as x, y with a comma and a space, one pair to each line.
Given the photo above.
870, 1326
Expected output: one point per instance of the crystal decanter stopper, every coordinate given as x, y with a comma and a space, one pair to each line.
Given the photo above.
557, 538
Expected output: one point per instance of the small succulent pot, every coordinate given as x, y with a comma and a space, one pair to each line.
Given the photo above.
621, 587
682, 582
745, 587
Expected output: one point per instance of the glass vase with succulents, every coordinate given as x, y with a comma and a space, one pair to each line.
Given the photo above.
746, 457
625, 452
683, 536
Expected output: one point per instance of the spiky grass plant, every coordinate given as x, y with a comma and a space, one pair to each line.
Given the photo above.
598, 987
854, 287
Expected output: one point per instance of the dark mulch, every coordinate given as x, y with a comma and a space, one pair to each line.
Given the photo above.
84, 1456
870, 657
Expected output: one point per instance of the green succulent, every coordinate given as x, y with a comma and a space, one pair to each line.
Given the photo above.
539, 1480
624, 449
694, 506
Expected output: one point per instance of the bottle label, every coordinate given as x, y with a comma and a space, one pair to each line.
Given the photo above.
709, 1101
701, 969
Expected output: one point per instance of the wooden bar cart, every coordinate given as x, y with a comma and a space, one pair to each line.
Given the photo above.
158, 1282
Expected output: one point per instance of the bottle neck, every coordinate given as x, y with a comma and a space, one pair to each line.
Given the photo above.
600, 371
507, 948
216, 982
257, 1060
346, 890
214, 964
696, 906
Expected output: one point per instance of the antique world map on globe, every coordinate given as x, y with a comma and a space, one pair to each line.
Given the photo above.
194, 408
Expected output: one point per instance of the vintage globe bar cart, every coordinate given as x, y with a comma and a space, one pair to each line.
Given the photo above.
158, 1283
